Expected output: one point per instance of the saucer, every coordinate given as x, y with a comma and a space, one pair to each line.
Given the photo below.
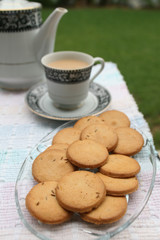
40, 103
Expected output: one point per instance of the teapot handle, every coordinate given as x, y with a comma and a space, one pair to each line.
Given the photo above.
102, 62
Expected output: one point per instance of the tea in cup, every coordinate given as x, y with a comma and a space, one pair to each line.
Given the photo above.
68, 77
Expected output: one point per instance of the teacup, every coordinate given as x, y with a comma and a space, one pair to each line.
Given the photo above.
68, 77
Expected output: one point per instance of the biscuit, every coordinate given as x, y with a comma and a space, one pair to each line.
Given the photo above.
59, 146
67, 135
120, 166
119, 186
86, 121
115, 119
51, 165
80, 191
42, 204
110, 210
87, 154
102, 134
130, 141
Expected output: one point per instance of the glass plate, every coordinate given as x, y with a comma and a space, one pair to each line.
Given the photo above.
76, 228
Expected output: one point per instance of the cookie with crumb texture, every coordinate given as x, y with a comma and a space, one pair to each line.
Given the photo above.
130, 141
87, 154
102, 134
120, 166
86, 121
51, 165
80, 191
42, 204
67, 135
119, 186
115, 119
111, 210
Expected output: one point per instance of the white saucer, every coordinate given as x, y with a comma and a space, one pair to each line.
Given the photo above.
40, 103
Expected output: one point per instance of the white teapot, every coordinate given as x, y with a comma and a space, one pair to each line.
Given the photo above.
23, 42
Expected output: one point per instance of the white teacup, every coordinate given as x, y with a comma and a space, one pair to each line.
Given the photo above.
68, 77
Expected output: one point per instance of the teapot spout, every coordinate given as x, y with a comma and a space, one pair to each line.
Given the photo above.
45, 38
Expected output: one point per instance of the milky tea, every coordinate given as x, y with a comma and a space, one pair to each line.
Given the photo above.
68, 64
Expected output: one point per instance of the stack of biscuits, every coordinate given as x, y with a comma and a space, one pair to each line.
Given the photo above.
88, 169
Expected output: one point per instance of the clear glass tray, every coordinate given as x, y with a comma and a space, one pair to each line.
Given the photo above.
76, 228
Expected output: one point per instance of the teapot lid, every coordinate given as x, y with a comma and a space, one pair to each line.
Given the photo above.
15, 5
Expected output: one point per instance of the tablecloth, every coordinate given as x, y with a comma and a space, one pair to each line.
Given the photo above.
21, 129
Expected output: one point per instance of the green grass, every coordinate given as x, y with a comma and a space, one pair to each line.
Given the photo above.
129, 38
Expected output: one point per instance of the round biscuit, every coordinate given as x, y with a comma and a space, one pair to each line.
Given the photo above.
67, 135
119, 186
102, 134
115, 119
80, 191
51, 165
42, 204
120, 166
130, 141
86, 121
87, 154
111, 210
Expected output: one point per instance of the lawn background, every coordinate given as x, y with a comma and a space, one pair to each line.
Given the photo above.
130, 38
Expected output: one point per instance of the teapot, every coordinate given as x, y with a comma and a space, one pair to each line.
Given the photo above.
23, 42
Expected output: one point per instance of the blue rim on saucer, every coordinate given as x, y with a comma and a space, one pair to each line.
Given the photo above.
39, 102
